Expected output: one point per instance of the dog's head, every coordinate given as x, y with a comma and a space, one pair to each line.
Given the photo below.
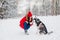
36, 19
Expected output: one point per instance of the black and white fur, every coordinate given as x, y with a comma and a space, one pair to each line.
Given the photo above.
41, 26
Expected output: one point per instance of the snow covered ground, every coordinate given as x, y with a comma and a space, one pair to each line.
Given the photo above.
10, 30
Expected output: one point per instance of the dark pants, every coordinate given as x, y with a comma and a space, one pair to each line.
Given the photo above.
26, 26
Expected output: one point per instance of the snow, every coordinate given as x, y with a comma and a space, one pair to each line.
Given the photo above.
10, 30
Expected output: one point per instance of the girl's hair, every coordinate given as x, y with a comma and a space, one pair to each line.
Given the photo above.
28, 19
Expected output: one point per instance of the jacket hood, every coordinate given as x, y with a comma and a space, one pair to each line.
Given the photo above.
29, 14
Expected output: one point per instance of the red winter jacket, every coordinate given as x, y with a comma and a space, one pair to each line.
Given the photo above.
24, 19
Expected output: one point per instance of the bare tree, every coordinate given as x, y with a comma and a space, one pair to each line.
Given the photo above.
2, 8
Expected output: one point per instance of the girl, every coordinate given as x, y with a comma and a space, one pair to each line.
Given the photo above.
26, 22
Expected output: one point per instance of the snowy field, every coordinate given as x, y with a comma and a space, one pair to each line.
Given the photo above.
10, 30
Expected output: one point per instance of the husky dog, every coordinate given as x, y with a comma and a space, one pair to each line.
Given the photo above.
41, 26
